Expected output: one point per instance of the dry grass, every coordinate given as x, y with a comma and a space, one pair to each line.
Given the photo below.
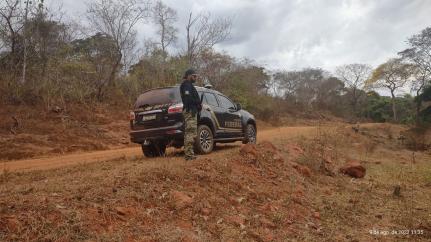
350, 208
129, 199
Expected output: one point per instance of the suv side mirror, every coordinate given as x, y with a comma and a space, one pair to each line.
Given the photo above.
238, 106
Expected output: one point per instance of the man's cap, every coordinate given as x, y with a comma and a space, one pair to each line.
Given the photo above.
190, 71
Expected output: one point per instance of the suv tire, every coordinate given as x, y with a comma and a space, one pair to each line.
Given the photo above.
250, 134
154, 150
205, 140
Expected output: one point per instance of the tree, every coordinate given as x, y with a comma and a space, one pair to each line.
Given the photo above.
164, 17
425, 96
308, 86
203, 33
117, 19
96, 52
392, 75
329, 92
11, 24
354, 77
214, 66
288, 81
419, 53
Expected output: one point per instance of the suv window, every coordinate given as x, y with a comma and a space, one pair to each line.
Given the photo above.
210, 99
225, 102
159, 96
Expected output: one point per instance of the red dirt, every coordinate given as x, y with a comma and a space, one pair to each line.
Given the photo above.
265, 192
127, 153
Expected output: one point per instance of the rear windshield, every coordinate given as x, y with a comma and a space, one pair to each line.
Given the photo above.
159, 96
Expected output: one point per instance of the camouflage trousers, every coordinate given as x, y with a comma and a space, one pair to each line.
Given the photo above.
190, 132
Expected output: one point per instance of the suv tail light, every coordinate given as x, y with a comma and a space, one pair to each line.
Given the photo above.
176, 108
132, 116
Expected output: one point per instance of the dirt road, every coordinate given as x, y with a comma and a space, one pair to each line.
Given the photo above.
95, 156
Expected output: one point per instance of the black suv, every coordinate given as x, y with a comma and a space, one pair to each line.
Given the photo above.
157, 121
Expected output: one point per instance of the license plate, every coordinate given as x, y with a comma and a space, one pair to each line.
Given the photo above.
148, 117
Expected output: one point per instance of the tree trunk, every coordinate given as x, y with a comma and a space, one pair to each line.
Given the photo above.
111, 78
418, 107
394, 110
418, 110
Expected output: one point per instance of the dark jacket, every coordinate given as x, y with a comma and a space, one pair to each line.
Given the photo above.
190, 97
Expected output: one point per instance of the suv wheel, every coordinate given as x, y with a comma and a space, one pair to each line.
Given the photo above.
250, 135
205, 140
154, 150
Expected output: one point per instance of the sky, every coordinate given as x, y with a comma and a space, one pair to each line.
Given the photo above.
296, 34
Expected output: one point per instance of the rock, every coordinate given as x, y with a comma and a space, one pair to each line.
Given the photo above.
316, 215
206, 211
397, 191
56, 109
268, 146
236, 220
354, 169
262, 235
304, 170
249, 151
124, 141
12, 224
122, 211
277, 157
181, 200
268, 207
294, 151
266, 223
327, 168
60, 206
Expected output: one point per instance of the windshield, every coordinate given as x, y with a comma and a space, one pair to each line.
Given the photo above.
159, 96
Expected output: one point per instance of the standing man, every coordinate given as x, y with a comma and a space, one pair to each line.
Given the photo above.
191, 107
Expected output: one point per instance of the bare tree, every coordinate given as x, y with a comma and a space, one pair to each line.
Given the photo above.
10, 25
354, 77
164, 17
392, 75
419, 54
117, 19
203, 33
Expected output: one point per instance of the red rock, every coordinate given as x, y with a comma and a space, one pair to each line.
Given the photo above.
236, 219
122, 211
12, 224
353, 169
304, 170
268, 236
299, 192
181, 200
206, 211
268, 146
269, 207
328, 160
267, 223
316, 215
294, 151
249, 151
277, 157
